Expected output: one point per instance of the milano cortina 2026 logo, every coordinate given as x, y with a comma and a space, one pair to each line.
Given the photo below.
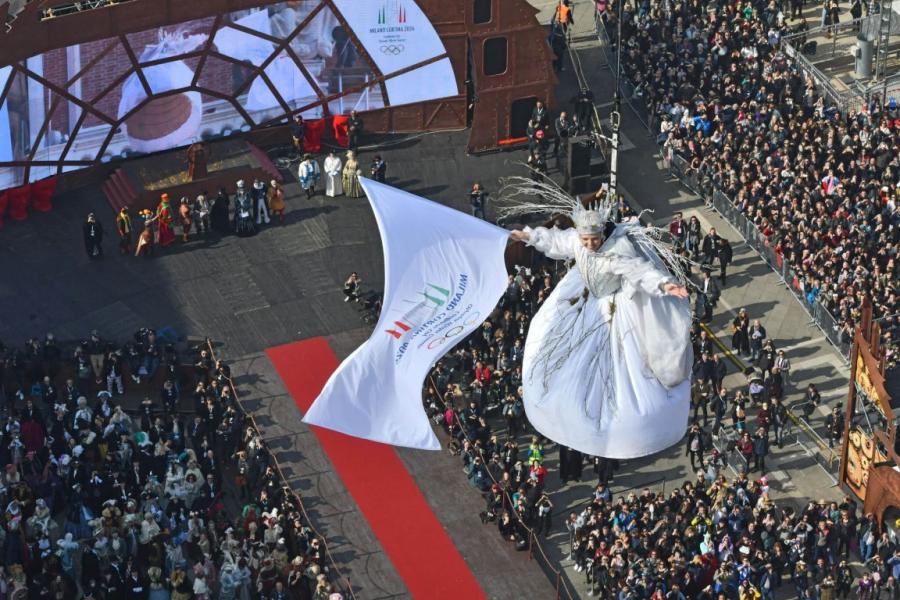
435, 319
392, 27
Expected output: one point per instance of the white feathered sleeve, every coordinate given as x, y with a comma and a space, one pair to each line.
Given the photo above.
642, 274
558, 244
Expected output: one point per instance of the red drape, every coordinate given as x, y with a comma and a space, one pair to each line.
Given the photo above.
339, 125
312, 139
18, 202
4, 201
41, 193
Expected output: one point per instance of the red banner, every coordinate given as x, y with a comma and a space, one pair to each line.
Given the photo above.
312, 138
41, 194
18, 202
4, 201
339, 125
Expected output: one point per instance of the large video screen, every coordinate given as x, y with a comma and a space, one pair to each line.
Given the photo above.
167, 87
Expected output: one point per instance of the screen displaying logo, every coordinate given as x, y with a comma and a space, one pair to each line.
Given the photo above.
392, 13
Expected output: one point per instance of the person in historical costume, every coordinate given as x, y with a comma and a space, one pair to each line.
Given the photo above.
333, 184
93, 237
309, 174
260, 206
243, 211
145, 237
184, 218
378, 169
201, 213
218, 216
123, 228
165, 219
350, 177
275, 199
607, 360
197, 161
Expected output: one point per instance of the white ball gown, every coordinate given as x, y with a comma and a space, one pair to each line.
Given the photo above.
607, 361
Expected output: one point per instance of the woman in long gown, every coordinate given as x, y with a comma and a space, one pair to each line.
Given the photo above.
165, 219
350, 177
218, 215
333, 184
608, 357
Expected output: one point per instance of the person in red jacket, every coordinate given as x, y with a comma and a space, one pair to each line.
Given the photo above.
482, 373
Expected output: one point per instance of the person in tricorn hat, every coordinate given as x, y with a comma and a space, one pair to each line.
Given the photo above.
309, 174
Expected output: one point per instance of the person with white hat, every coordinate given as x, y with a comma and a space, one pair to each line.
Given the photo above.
309, 174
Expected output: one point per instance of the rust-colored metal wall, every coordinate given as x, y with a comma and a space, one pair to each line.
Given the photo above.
528, 74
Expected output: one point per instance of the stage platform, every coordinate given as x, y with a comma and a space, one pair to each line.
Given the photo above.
138, 183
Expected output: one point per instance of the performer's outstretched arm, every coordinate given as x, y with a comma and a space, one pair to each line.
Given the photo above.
558, 244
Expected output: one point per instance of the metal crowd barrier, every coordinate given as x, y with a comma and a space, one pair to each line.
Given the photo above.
337, 576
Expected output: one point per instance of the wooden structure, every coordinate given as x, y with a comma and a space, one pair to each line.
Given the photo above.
497, 49
870, 461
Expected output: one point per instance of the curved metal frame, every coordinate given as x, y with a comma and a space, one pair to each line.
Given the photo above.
280, 45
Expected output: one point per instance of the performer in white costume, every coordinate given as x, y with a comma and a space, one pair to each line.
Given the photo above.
333, 184
607, 361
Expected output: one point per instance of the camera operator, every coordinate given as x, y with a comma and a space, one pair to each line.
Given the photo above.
352, 287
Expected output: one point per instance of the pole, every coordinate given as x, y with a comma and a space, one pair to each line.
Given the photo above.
615, 116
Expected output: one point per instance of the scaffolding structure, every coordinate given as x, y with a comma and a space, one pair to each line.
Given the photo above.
829, 55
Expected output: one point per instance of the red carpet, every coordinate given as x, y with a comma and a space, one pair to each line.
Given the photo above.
385, 492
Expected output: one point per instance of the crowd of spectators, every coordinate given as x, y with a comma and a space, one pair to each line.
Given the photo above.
130, 472
708, 538
711, 538
821, 186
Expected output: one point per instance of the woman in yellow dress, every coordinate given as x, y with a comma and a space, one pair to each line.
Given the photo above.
350, 176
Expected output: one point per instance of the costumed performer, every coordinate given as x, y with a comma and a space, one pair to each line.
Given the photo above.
350, 176
243, 216
275, 198
607, 360
197, 161
184, 218
165, 218
333, 184
218, 216
145, 238
123, 228
309, 174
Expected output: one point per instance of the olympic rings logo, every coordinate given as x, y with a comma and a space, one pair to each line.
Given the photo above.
440, 340
392, 49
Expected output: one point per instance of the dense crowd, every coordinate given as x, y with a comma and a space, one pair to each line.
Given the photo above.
131, 473
821, 186
709, 538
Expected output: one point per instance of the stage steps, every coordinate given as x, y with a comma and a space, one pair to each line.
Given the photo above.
265, 163
119, 191
139, 182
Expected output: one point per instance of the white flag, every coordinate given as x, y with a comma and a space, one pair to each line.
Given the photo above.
444, 273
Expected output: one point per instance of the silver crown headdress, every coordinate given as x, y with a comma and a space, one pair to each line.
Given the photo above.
521, 196
591, 220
